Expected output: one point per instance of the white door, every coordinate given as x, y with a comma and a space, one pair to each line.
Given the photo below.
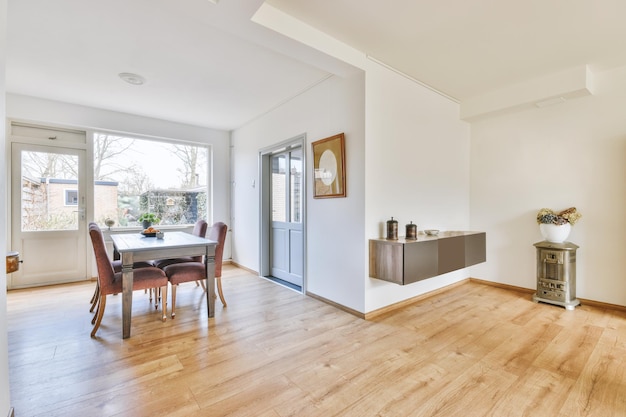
286, 236
48, 214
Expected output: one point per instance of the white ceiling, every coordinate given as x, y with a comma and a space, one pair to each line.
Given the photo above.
202, 61
207, 64
466, 48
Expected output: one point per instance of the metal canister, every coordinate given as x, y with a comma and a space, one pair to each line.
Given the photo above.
392, 229
411, 231
13, 261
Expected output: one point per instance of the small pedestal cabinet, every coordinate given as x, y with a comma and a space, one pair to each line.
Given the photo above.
556, 274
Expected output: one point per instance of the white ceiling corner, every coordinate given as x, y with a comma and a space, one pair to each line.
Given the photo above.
537, 92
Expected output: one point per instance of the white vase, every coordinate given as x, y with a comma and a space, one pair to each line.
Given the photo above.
555, 233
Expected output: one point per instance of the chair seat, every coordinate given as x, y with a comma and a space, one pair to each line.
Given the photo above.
143, 279
162, 263
117, 265
184, 272
185, 269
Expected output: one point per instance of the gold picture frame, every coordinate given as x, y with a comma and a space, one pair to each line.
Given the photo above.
329, 175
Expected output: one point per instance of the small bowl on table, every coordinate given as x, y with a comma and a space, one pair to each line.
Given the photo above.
431, 232
150, 232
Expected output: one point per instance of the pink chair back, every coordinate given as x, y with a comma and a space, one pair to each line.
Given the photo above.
218, 233
199, 229
106, 274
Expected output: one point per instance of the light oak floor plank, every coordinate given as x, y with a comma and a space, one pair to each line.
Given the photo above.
472, 350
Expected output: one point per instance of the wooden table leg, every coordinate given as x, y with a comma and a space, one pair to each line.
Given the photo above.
127, 292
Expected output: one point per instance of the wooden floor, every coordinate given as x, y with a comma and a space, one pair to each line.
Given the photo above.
474, 350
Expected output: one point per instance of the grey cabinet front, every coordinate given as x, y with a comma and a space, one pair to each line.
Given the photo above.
420, 261
406, 261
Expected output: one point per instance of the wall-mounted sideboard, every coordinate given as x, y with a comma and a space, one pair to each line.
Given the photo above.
405, 261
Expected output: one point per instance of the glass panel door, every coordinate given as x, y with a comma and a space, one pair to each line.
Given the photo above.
295, 186
286, 236
48, 214
279, 188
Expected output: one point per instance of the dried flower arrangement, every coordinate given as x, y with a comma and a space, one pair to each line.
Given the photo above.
547, 216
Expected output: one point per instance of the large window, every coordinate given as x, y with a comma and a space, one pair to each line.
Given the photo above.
134, 176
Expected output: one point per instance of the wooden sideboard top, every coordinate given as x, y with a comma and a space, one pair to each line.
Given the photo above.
422, 237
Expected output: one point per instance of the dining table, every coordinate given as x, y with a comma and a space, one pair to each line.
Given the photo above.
134, 247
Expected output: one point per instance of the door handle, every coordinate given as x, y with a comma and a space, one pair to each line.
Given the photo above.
81, 213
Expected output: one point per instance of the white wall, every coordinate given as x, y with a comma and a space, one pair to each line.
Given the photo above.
415, 165
412, 163
417, 156
572, 154
4, 353
46, 111
417, 169
335, 236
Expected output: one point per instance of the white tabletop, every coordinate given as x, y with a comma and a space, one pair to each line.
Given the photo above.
136, 242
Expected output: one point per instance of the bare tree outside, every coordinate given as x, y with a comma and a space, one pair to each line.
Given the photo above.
189, 156
44, 165
106, 149
67, 167
135, 176
135, 182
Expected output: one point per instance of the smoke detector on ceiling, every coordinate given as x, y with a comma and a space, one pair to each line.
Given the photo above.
130, 78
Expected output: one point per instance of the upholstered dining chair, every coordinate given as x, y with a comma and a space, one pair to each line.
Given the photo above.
177, 273
110, 282
117, 267
199, 229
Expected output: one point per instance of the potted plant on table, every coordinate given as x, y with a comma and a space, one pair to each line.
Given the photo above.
147, 219
556, 226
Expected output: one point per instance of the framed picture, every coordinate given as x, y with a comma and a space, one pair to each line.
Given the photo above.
329, 175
